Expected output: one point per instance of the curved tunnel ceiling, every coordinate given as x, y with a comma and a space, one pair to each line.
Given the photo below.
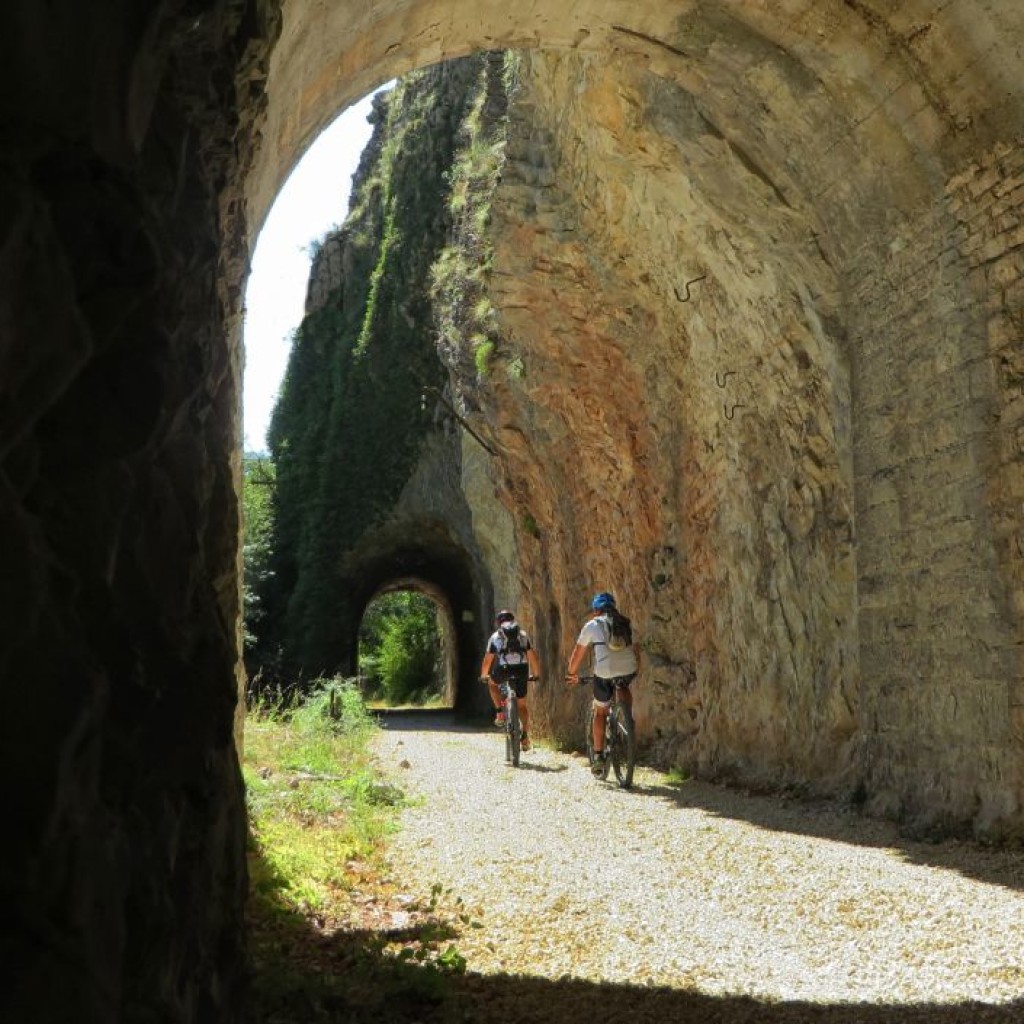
818, 96
825, 162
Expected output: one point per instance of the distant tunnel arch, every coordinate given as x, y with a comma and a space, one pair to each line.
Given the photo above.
423, 556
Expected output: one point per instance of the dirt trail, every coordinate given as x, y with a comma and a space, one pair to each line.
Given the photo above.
691, 901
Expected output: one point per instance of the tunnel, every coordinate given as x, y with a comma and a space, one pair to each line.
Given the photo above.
828, 191
425, 557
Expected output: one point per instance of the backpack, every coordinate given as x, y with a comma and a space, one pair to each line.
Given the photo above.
620, 630
512, 643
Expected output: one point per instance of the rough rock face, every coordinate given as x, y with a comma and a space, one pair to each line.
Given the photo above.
685, 443
772, 441
122, 870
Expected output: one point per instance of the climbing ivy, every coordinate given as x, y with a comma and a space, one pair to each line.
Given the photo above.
350, 420
466, 317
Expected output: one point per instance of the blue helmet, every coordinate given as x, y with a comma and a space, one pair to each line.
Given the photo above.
603, 601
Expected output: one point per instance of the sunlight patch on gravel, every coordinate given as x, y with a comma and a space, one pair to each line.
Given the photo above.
695, 887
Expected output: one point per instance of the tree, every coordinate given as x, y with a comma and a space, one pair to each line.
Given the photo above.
400, 649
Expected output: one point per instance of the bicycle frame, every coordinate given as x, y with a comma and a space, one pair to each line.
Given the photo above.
513, 725
619, 738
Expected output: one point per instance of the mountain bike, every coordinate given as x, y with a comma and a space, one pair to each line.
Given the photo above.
513, 724
619, 739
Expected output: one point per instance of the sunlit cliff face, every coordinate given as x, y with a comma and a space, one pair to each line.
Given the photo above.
782, 467
673, 407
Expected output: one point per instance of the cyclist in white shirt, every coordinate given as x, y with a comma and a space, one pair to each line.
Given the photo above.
615, 666
510, 658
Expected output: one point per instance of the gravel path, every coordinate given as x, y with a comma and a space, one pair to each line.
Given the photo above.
696, 888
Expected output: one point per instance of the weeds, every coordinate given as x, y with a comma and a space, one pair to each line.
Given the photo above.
330, 937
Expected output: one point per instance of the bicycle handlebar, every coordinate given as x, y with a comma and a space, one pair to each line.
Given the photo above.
580, 677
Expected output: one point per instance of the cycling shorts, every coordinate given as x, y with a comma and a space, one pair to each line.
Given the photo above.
517, 676
603, 688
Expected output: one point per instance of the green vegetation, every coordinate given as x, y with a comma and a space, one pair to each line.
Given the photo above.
353, 417
400, 650
258, 483
304, 834
351, 420
319, 816
467, 320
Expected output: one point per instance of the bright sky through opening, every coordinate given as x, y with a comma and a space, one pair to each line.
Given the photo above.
311, 202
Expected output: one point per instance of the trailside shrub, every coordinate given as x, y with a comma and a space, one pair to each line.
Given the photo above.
400, 649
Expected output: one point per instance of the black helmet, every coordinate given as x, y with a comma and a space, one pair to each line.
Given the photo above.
504, 616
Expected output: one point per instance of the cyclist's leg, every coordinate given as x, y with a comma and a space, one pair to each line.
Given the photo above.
496, 697
600, 714
602, 702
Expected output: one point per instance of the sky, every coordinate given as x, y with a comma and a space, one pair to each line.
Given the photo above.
312, 200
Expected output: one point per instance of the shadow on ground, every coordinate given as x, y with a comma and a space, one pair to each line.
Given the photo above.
825, 820
304, 972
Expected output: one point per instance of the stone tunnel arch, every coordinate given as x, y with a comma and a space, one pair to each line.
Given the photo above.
423, 556
841, 125
145, 149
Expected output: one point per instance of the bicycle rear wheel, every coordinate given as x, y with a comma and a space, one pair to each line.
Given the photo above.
623, 745
513, 732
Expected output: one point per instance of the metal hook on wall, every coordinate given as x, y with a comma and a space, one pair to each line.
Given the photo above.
686, 287
730, 410
720, 379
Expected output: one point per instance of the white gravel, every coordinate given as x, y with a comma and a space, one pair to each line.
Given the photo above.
693, 886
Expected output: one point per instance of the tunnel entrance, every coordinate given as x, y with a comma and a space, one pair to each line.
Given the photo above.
422, 559
408, 648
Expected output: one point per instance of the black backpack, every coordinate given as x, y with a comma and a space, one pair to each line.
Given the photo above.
620, 630
512, 643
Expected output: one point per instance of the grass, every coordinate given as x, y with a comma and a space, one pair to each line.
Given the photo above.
329, 935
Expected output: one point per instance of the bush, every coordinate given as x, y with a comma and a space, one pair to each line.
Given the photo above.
400, 649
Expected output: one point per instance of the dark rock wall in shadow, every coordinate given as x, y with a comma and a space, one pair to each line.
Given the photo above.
121, 251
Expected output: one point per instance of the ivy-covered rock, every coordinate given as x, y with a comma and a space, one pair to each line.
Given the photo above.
351, 419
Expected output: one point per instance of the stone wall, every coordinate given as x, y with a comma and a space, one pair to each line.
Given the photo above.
121, 258
939, 481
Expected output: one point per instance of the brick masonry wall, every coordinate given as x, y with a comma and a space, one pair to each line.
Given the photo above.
939, 487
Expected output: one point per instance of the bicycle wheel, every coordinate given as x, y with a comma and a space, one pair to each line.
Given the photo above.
623, 745
513, 732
